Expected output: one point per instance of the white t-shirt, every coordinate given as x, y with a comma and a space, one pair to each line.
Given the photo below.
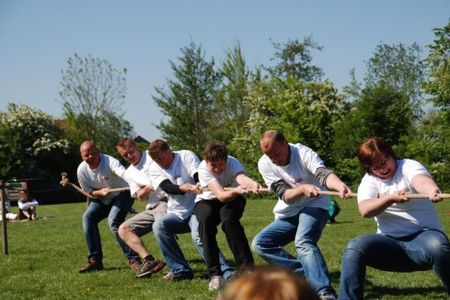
182, 170
137, 178
300, 170
400, 219
108, 174
227, 179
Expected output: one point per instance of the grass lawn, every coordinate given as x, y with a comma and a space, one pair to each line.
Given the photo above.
45, 255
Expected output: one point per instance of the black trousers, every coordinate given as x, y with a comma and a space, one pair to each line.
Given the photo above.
210, 213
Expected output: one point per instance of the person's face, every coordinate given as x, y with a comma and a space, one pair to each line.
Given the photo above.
384, 167
90, 155
277, 152
23, 194
130, 153
216, 167
164, 159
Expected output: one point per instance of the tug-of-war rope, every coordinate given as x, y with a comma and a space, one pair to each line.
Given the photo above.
65, 182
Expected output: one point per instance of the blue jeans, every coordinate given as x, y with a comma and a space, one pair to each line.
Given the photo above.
424, 250
305, 228
165, 229
116, 212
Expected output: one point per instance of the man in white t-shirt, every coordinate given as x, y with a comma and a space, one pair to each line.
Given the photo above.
175, 172
296, 174
97, 174
409, 235
141, 188
213, 206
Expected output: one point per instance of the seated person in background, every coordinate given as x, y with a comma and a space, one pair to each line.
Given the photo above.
27, 205
409, 235
217, 205
269, 282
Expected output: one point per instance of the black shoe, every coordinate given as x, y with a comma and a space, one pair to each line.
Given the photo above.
186, 275
92, 265
149, 267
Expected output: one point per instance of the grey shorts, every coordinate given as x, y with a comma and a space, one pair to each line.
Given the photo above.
142, 223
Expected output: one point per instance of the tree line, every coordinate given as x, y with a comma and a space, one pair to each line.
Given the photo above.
403, 97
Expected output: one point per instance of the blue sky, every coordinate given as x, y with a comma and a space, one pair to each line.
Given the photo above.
37, 38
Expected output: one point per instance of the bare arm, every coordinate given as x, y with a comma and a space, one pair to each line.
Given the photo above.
335, 183
373, 207
224, 196
248, 183
144, 193
424, 184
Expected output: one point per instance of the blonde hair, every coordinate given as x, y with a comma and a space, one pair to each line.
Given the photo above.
269, 282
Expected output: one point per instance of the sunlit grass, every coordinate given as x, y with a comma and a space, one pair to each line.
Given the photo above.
45, 256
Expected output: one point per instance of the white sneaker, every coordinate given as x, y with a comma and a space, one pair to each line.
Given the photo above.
216, 283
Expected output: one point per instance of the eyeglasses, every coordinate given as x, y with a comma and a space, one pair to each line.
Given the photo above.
380, 166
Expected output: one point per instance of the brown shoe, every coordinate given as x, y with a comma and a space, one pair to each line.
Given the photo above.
92, 265
149, 267
135, 264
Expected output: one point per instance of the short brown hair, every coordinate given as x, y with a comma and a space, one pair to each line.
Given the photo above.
156, 147
371, 149
269, 282
215, 152
124, 142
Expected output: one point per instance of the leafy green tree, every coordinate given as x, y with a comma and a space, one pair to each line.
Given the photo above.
232, 112
189, 101
438, 64
399, 67
31, 143
294, 60
381, 111
93, 91
429, 144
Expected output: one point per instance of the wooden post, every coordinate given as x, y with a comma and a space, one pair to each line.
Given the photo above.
4, 221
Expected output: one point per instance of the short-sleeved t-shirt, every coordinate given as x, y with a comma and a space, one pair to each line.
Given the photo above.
227, 179
182, 170
137, 178
400, 219
108, 174
300, 170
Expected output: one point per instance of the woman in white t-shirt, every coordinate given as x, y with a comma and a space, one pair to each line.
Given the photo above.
409, 235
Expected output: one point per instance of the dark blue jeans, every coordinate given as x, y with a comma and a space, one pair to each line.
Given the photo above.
116, 212
424, 250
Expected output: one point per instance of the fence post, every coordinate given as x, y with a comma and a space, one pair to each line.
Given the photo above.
4, 221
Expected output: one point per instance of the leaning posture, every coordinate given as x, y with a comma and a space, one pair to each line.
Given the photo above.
217, 205
132, 230
409, 235
97, 174
296, 174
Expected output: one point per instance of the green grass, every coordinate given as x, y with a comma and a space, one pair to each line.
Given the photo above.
44, 258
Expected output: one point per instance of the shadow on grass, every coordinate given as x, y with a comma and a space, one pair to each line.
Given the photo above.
374, 291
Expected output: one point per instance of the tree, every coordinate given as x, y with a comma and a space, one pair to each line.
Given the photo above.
93, 91
31, 144
294, 60
429, 144
438, 64
189, 101
399, 67
231, 98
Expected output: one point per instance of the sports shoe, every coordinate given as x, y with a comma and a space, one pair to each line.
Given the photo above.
135, 264
184, 275
149, 267
327, 296
92, 265
216, 283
